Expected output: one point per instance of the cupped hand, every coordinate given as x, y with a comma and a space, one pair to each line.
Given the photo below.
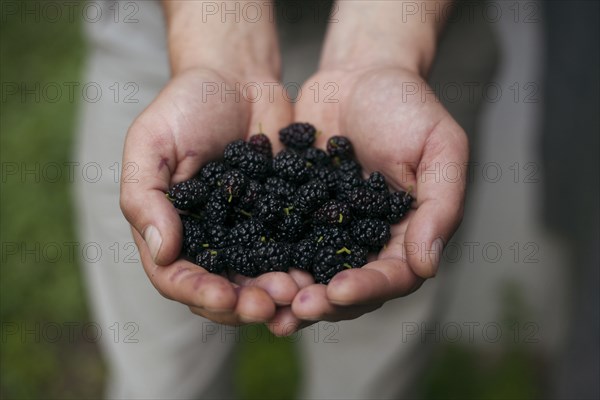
397, 127
187, 125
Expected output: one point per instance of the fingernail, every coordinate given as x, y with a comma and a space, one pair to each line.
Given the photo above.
436, 254
153, 239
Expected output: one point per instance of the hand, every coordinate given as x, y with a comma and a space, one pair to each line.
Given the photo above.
169, 142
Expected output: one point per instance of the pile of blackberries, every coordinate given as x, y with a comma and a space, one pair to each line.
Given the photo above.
252, 213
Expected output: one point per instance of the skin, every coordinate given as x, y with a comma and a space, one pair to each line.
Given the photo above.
376, 66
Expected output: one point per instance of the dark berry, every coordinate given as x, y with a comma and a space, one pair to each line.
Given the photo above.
211, 173
377, 182
298, 135
217, 237
368, 203
269, 208
399, 203
345, 184
246, 233
272, 256
240, 260
188, 194
327, 264
217, 208
326, 175
333, 212
356, 257
329, 235
291, 167
303, 254
240, 155
290, 228
279, 187
349, 167
232, 184
211, 260
372, 233
310, 196
339, 146
261, 144
193, 235
254, 190
316, 157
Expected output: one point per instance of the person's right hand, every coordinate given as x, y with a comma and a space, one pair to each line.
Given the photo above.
183, 129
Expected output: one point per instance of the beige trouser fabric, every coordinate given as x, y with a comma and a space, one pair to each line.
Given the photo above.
162, 350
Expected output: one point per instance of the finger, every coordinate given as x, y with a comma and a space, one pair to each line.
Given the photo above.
302, 278
279, 285
285, 323
187, 283
440, 197
312, 304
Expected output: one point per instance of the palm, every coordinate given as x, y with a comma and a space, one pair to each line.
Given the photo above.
401, 135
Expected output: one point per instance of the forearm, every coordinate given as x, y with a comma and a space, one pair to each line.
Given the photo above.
201, 36
375, 33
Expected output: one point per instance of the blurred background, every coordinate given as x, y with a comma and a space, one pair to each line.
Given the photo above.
519, 308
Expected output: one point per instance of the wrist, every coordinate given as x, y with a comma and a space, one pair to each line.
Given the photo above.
233, 46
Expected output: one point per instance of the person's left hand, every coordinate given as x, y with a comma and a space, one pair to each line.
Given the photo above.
397, 127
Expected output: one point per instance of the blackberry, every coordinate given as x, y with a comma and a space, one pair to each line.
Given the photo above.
349, 167
345, 184
316, 157
272, 256
261, 144
254, 190
303, 254
399, 203
376, 182
217, 208
240, 260
216, 237
368, 203
328, 235
290, 166
269, 208
290, 228
211, 260
310, 196
240, 155
372, 233
326, 175
298, 135
211, 173
279, 187
232, 184
339, 146
333, 212
356, 258
188, 194
327, 264
193, 235
246, 233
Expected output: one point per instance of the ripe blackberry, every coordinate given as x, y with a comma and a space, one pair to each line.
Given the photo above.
240, 260
356, 258
240, 155
303, 255
316, 157
399, 205
272, 256
339, 146
193, 235
298, 136
216, 237
326, 175
327, 264
346, 184
290, 228
232, 184
333, 212
217, 208
188, 194
246, 233
290, 166
310, 196
376, 182
372, 233
368, 203
211, 260
261, 144
349, 167
279, 187
254, 190
329, 235
211, 173
269, 209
